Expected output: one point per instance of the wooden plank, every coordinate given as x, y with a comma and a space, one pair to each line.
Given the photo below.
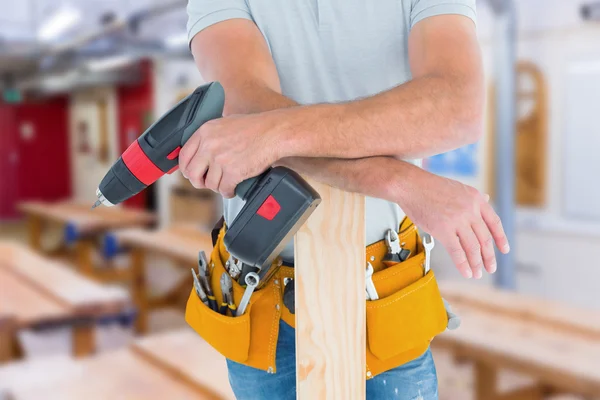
7, 327
330, 299
139, 290
553, 314
88, 221
36, 372
557, 358
25, 303
486, 379
84, 340
180, 242
59, 283
34, 230
118, 375
190, 358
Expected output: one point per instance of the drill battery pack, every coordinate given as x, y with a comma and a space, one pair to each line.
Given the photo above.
277, 204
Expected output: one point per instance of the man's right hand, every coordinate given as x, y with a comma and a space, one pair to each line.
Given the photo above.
458, 216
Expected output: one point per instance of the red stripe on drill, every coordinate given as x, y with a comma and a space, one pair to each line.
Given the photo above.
173, 155
175, 168
269, 209
140, 165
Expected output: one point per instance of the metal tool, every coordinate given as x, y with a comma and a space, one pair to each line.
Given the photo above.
199, 290
234, 267
204, 277
246, 269
370, 286
453, 319
396, 253
428, 245
252, 281
227, 292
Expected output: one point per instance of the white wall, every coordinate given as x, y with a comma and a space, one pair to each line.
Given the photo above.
87, 170
171, 78
556, 256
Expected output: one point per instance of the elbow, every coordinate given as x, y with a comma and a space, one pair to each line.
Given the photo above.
469, 116
470, 126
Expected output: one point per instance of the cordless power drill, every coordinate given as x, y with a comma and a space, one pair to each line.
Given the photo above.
277, 202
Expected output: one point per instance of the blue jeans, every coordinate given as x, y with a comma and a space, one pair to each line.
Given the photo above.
416, 380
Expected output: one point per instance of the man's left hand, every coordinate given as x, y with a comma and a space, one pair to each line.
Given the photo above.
229, 150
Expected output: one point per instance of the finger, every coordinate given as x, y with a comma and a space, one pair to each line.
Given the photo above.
486, 241
472, 248
486, 197
188, 152
494, 224
459, 258
213, 178
196, 171
227, 188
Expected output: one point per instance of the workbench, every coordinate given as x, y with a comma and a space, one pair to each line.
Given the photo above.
556, 345
85, 227
174, 365
180, 243
35, 291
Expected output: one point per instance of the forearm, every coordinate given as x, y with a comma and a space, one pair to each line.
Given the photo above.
381, 177
374, 176
429, 115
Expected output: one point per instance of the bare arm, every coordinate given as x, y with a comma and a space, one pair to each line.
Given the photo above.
441, 206
440, 109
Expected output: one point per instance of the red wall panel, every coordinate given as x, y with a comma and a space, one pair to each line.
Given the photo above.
34, 153
44, 171
9, 163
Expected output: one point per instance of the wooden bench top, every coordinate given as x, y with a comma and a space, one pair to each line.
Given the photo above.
117, 375
554, 343
34, 289
190, 358
182, 242
174, 365
87, 220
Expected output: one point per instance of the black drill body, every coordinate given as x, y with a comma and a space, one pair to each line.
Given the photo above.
278, 201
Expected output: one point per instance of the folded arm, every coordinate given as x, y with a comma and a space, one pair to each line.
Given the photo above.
235, 53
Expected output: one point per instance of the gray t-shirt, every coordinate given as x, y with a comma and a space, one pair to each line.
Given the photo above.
333, 51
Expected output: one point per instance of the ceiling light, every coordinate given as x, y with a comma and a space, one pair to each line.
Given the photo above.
105, 64
59, 23
178, 40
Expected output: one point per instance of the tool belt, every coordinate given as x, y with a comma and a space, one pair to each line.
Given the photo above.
400, 325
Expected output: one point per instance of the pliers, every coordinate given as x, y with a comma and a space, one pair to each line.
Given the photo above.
396, 254
227, 291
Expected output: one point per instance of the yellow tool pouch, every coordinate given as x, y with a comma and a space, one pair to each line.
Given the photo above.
249, 339
400, 325
410, 310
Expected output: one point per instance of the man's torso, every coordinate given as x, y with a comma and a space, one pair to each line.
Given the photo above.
334, 51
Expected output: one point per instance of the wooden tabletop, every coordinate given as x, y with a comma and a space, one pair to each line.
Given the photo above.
87, 220
174, 365
34, 289
187, 356
554, 343
182, 242
116, 375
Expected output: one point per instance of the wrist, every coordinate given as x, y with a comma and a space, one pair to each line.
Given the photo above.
401, 180
305, 131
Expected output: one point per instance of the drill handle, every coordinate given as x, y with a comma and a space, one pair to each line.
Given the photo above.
243, 189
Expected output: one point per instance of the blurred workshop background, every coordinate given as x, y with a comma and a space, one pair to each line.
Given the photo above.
102, 294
